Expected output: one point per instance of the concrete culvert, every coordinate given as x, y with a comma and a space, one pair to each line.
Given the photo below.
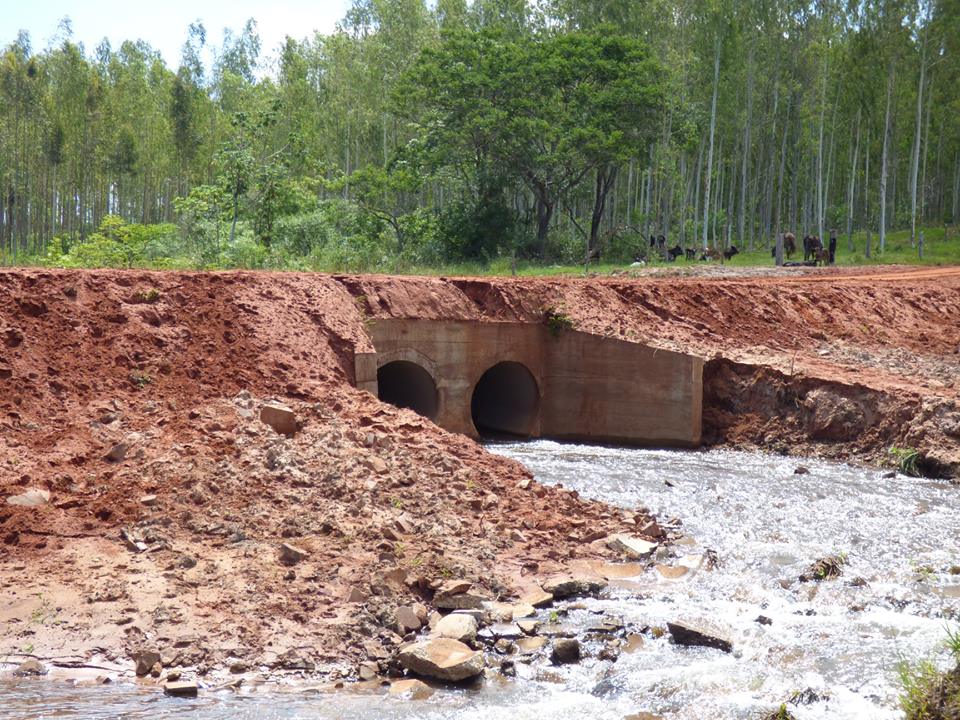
506, 400
407, 385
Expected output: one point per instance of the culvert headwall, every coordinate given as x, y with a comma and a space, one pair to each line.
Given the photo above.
522, 379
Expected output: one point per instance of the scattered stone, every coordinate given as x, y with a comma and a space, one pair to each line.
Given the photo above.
672, 573
148, 500
463, 601
890, 475
30, 668
145, 660
117, 452
528, 627
291, 554
825, 569
368, 671
685, 634
457, 626
633, 643
643, 716
183, 688
801, 470
451, 588
565, 651
442, 659
501, 631
633, 547
407, 620
31, 498
566, 586
610, 651
413, 688
530, 645
537, 598
652, 529
504, 647
356, 595
508, 668
281, 418
763, 620
522, 610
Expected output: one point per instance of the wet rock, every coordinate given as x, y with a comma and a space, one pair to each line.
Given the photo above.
690, 635
528, 627
30, 668
457, 626
463, 601
763, 620
182, 688
565, 651
508, 668
145, 659
824, 569
610, 651
652, 529
412, 688
291, 554
500, 631
632, 643
565, 586
671, 572
31, 498
281, 418
807, 697
633, 547
530, 645
801, 470
643, 716
504, 647
441, 659
368, 670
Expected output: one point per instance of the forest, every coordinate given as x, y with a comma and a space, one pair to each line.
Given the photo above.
426, 134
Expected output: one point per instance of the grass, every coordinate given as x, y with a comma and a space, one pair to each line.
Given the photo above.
927, 693
941, 247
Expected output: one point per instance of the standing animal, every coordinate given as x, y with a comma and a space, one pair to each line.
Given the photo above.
662, 242
730, 252
690, 253
674, 252
789, 244
821, 257
811, 246
711, 254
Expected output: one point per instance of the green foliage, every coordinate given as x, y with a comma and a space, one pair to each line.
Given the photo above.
116, 244
906, 460
556, 321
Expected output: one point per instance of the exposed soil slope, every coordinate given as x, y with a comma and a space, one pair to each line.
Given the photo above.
116, 386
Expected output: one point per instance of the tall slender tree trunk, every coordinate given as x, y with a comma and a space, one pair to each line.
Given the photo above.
852, 184
884, 160
823, 111
926, 153
745, 161
713, 126
915, 155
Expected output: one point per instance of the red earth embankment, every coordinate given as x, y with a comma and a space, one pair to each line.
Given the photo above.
169, 371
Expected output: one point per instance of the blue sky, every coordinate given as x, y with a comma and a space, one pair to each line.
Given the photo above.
164, 24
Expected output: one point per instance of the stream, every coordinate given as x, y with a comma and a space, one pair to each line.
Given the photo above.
836, 643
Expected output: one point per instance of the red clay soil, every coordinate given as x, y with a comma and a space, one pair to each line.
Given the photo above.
174, 368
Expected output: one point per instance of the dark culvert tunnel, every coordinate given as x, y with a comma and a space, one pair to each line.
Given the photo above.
506, 401
407, 385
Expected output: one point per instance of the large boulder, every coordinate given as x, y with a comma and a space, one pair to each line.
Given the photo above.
442, 659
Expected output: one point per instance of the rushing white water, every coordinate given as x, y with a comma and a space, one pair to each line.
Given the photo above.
840, 639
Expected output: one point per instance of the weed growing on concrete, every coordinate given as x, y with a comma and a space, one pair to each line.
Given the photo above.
556, 320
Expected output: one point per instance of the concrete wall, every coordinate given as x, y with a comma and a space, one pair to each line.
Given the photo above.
591, 388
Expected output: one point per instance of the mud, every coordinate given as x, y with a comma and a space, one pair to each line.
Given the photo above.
133, 399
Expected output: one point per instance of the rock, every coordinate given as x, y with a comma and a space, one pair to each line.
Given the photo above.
825, 569
508, 668
442, 659
31, 498
528, 627
633, 547
801, 470
633, 643
522, 610
356, 595
281, 418
686, 634
148, 500
672, 573
451, 588
643, 716
763, 620
457, 627
501, 631
565, 651
145, 660
504, 647
368, 671
565, 586
407, 620
117, 452
537, 598
291, 554
463, 601
530, 645
29, 668
378, 465
182, 688
414, 689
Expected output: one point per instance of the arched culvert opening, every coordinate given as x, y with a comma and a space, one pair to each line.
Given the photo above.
506, 400
407, 385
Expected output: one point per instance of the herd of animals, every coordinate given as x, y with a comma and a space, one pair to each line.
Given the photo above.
814, 253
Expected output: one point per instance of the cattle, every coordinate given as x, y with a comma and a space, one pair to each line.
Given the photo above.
690, 253
730, 252
789, 244
674, 252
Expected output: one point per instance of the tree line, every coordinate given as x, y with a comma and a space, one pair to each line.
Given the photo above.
433, 132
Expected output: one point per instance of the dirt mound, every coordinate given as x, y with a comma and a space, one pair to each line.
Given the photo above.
151, 503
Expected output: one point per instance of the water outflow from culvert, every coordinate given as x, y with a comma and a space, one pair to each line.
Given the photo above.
766, 525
